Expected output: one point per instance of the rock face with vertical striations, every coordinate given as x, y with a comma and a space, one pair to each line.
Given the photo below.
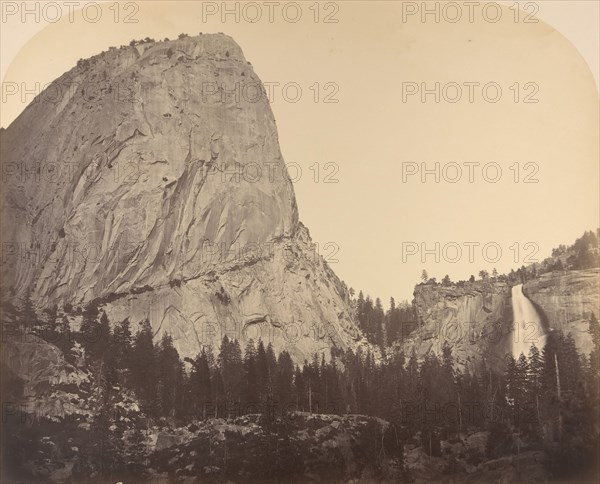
149, 179
477, 322
566, 301
474, 319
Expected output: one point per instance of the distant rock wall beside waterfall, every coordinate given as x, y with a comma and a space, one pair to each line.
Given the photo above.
474, 319
477, 321
566, 300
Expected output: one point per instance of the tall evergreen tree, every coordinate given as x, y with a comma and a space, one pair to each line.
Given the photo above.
170, 378
103, 343
262, 373
377, 330
231, 371
284, 382
200, 385
29, 318
143, 368
89, 330
251, 393
122, 344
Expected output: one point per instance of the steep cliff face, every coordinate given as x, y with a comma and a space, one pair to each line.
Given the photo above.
150, 177
290, 298
476, 319
566, 300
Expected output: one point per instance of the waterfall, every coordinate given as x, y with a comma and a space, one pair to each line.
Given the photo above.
528, 328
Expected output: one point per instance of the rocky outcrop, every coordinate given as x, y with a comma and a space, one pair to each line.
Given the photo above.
289, 298
566, 300
475, 319
465, 460
299, 447
50, 386
149, 179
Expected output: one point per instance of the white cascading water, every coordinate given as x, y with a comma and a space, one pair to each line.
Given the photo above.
528, 327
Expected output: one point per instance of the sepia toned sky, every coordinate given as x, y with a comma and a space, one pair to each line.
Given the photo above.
369, 61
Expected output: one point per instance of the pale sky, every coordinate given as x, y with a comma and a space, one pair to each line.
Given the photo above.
370, 134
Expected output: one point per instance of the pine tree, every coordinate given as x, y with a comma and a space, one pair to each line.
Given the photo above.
122, 340
262, 373
447, 388
170, 378
105, 447
50, 325
334, 402
522, 406
251, 393
231, 369
271, 371
218, 389
569, 411
301, 387
200, 385
284, 382
360, 301
314, 385
361, 312
411, 388
392, 323
536, 367
137, 451
29, 318
535, 381
103, 343
378, 315
516, 387
143, 368
89, 331
65, 337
